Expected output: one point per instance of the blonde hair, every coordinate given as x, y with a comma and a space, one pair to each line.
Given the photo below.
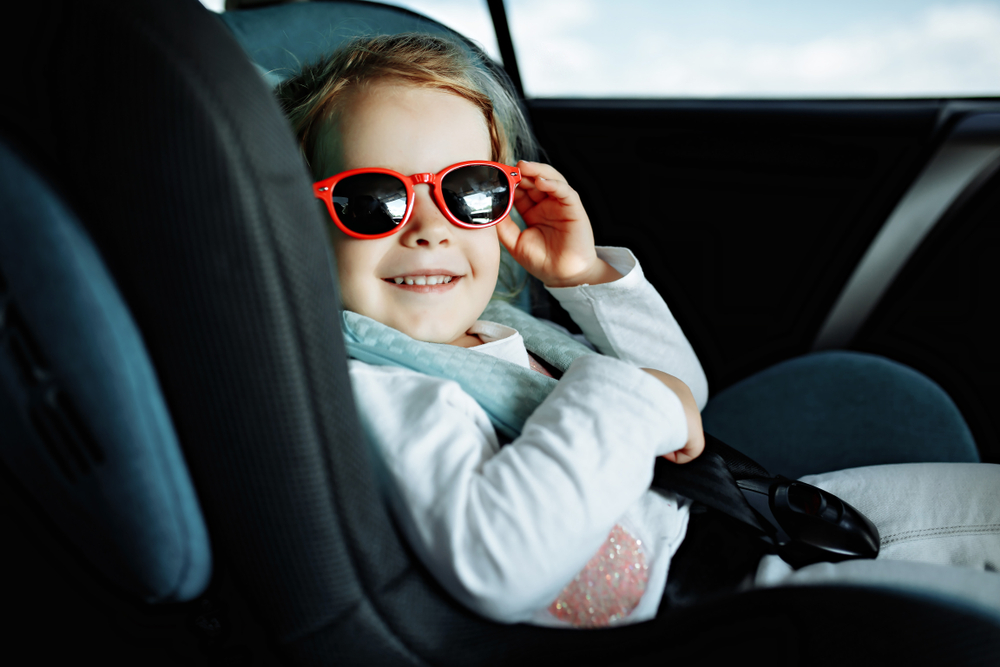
313, 98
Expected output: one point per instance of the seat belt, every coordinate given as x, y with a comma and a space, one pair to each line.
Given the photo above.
799, 522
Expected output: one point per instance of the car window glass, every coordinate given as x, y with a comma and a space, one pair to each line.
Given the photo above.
470, 18
763, 48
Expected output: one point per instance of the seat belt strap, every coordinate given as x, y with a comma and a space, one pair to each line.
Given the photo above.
709, 479
801, 523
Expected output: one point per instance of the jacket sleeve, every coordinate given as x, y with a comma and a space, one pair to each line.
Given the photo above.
505, 529
629, 320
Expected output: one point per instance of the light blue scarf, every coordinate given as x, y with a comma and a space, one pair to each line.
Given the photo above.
508, 392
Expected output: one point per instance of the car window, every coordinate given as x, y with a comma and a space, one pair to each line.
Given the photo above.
739, 49
764, 48
470, 18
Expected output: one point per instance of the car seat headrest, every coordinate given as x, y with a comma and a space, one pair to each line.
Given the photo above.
282, 38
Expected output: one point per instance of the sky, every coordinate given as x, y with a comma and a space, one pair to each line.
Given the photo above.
741, 48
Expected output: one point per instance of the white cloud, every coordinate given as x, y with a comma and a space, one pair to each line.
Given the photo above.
943, 50
215, 5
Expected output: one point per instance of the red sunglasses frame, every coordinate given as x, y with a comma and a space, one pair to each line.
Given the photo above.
323, 190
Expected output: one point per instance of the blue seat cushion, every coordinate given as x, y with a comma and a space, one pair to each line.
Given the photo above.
835, 410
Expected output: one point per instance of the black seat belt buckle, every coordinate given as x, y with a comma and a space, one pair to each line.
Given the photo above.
807, 524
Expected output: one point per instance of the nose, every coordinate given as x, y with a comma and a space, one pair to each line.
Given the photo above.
427, 226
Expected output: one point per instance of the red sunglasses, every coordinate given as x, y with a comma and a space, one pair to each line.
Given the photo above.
374, 203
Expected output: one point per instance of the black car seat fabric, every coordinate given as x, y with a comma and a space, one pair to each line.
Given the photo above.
164, 140
184, 173
84, 425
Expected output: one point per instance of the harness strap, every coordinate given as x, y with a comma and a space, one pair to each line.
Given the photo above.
710, 481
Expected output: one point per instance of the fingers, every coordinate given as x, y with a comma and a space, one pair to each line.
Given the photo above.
539, 170
532, 190
542, 188
540, 181
692, 449
678, 457
687, 453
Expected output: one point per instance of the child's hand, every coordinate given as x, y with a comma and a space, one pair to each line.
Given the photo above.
696, 436
558, 245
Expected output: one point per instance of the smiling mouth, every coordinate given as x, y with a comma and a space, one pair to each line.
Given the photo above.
421, 280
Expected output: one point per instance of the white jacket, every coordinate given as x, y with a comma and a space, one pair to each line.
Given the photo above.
505, 529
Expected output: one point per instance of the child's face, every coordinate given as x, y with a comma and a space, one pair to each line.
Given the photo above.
415, 130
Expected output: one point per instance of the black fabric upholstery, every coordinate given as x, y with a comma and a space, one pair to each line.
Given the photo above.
181, 166
186, 175
83, 424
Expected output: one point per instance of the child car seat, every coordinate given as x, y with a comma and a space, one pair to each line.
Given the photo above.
159, 239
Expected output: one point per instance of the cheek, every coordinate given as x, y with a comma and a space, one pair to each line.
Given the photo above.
355, 260
488, 256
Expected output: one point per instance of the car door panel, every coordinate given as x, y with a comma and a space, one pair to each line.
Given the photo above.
750, 217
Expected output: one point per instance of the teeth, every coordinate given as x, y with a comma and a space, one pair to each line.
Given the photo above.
422, 280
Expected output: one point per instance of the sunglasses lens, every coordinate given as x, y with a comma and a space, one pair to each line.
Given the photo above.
477, 194
370, 204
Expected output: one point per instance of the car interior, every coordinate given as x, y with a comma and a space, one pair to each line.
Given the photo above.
183, 476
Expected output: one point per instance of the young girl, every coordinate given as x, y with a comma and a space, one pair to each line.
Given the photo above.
536, 507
